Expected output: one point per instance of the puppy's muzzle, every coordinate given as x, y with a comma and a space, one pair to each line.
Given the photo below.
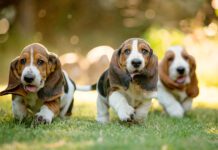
136, 63
180, 70
29, 78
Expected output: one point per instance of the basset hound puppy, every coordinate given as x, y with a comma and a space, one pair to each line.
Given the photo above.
39, 85
130, 82
177, 84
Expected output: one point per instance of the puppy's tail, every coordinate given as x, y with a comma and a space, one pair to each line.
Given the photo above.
86, 87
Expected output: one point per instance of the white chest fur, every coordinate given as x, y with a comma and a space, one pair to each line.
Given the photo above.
136, 96
180, 95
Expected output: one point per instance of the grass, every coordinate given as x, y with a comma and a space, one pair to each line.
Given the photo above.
198, 130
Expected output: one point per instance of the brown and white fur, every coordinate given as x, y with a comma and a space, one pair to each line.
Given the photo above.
177, 84
38, 83
130, 82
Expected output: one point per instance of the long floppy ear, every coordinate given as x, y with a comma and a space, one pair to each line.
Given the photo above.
53, 87
118, 76
148, 79
192, 88
164, 76
152, 66
14, 83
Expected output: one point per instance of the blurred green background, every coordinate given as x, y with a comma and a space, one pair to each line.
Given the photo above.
78, 26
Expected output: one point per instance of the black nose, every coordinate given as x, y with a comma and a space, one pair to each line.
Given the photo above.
136, 63
180, 70
29, 78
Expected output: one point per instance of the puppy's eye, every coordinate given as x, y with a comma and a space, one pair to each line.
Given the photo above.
170, 59
127, 51
145, 51
23, 61
185, 57
40, 62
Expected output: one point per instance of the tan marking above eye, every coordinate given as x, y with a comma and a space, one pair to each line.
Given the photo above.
144, 48
41, 57
126, 49
171, 58
23, 61
185, 55
24, 58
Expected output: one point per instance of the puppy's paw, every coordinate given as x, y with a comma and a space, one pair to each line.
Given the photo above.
126, 113
40, 119
175, 111
102, 119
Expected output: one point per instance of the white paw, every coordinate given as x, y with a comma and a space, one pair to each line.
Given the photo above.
102, 119
175, 111
142, 111
43, 119
140, 116
44, 116
126, 113
19, 112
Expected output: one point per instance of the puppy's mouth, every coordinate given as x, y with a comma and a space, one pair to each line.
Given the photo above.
135, 72
31, 88
181, 79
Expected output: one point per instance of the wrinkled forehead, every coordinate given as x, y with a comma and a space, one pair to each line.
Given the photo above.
169, 53
35, 49
176, 50
136, 43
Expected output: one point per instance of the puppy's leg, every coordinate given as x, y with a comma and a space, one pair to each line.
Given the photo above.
18, 108
102, 109
67, 99
187, 104
48, 111
66, 104
119, 103
142, 111
170, 104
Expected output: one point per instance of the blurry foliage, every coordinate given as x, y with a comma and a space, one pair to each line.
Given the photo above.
78, 26
160, 39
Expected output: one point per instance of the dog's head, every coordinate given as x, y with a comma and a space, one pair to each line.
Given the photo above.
135, 58
177, 70
35, 71
134, 55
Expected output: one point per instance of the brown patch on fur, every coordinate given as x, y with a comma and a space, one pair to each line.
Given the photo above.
54, 83
164, 72
141, 46
14, 83
40, 55
118, 74
192, 89
54, 106
147, 80
122, 56
50, 70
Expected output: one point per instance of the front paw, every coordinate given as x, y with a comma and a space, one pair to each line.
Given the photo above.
126, 113
175, 111
42, 119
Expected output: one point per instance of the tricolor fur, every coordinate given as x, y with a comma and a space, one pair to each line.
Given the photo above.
178, 83
130, 82
38, 83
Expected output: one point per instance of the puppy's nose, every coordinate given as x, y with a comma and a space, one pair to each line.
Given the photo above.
180, 70
29, 78
136, 63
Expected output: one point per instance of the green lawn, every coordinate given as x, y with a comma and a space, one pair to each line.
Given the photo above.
198, 130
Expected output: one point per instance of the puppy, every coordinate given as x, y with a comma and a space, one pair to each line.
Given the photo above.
38, 85
130, 82
177, 83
